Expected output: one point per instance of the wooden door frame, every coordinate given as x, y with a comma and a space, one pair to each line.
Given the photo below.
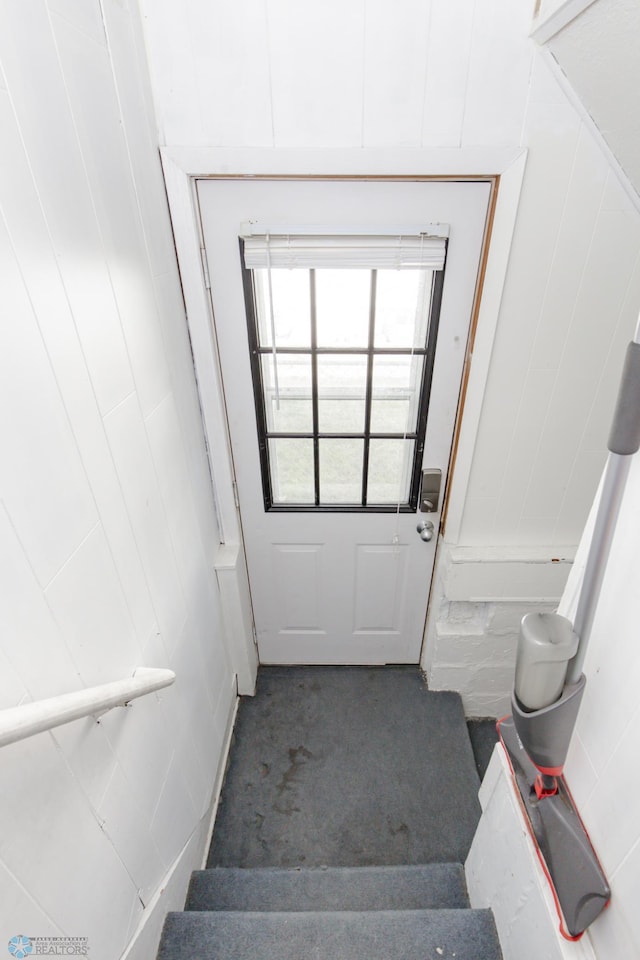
183, 167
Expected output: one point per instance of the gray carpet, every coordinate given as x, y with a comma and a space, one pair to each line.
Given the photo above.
347, 766
383, 935
483, 736
348, 806
433, 886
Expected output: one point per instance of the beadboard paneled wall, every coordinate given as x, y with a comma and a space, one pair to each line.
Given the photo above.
107, 527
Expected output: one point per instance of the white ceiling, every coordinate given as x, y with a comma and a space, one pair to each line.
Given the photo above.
600, 53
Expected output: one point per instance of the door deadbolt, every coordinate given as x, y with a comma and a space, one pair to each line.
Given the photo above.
430, 491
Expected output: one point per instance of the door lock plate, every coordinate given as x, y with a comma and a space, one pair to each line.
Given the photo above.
430, 491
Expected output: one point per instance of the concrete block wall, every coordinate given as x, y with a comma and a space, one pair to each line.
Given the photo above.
470, 644
476, 655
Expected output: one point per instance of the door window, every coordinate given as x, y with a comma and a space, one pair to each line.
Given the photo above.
342, 360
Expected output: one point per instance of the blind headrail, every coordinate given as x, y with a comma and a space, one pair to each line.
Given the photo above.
18, 723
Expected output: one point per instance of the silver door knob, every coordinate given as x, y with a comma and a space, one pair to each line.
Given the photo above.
425, 529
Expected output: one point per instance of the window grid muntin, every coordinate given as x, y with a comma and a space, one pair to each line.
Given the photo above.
314, 389
428, 351
369, 388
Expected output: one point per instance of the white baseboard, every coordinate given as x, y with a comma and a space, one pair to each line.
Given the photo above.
217, 788
172, 890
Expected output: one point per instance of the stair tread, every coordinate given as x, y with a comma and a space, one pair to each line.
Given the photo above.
348, 935
347, 766
440, 885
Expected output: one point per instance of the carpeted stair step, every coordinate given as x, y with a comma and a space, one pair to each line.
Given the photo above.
381, 935
431, 886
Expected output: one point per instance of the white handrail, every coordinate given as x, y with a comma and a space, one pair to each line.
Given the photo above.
17, 723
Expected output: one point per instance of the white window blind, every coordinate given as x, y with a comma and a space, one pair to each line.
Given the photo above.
369, 252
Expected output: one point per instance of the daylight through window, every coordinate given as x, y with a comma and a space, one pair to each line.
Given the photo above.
342, 400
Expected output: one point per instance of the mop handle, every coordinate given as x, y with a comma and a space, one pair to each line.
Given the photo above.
624, 442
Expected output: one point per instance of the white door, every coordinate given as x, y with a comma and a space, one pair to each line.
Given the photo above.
329, 449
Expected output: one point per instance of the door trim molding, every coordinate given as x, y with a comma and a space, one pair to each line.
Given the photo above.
488, 300
184, 165
469, 163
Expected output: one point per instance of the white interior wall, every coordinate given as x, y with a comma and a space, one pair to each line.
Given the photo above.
503, 871
431, 78
598, 52
108, 531
569, 306
108, 535
281, 74
568, 310
504, 874
602, 768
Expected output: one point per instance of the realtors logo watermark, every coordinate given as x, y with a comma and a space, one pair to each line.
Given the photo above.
21, 947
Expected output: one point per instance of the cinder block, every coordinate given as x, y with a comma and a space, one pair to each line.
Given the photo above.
464, 619
506, 617
486, 705
465, 650
492, 679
